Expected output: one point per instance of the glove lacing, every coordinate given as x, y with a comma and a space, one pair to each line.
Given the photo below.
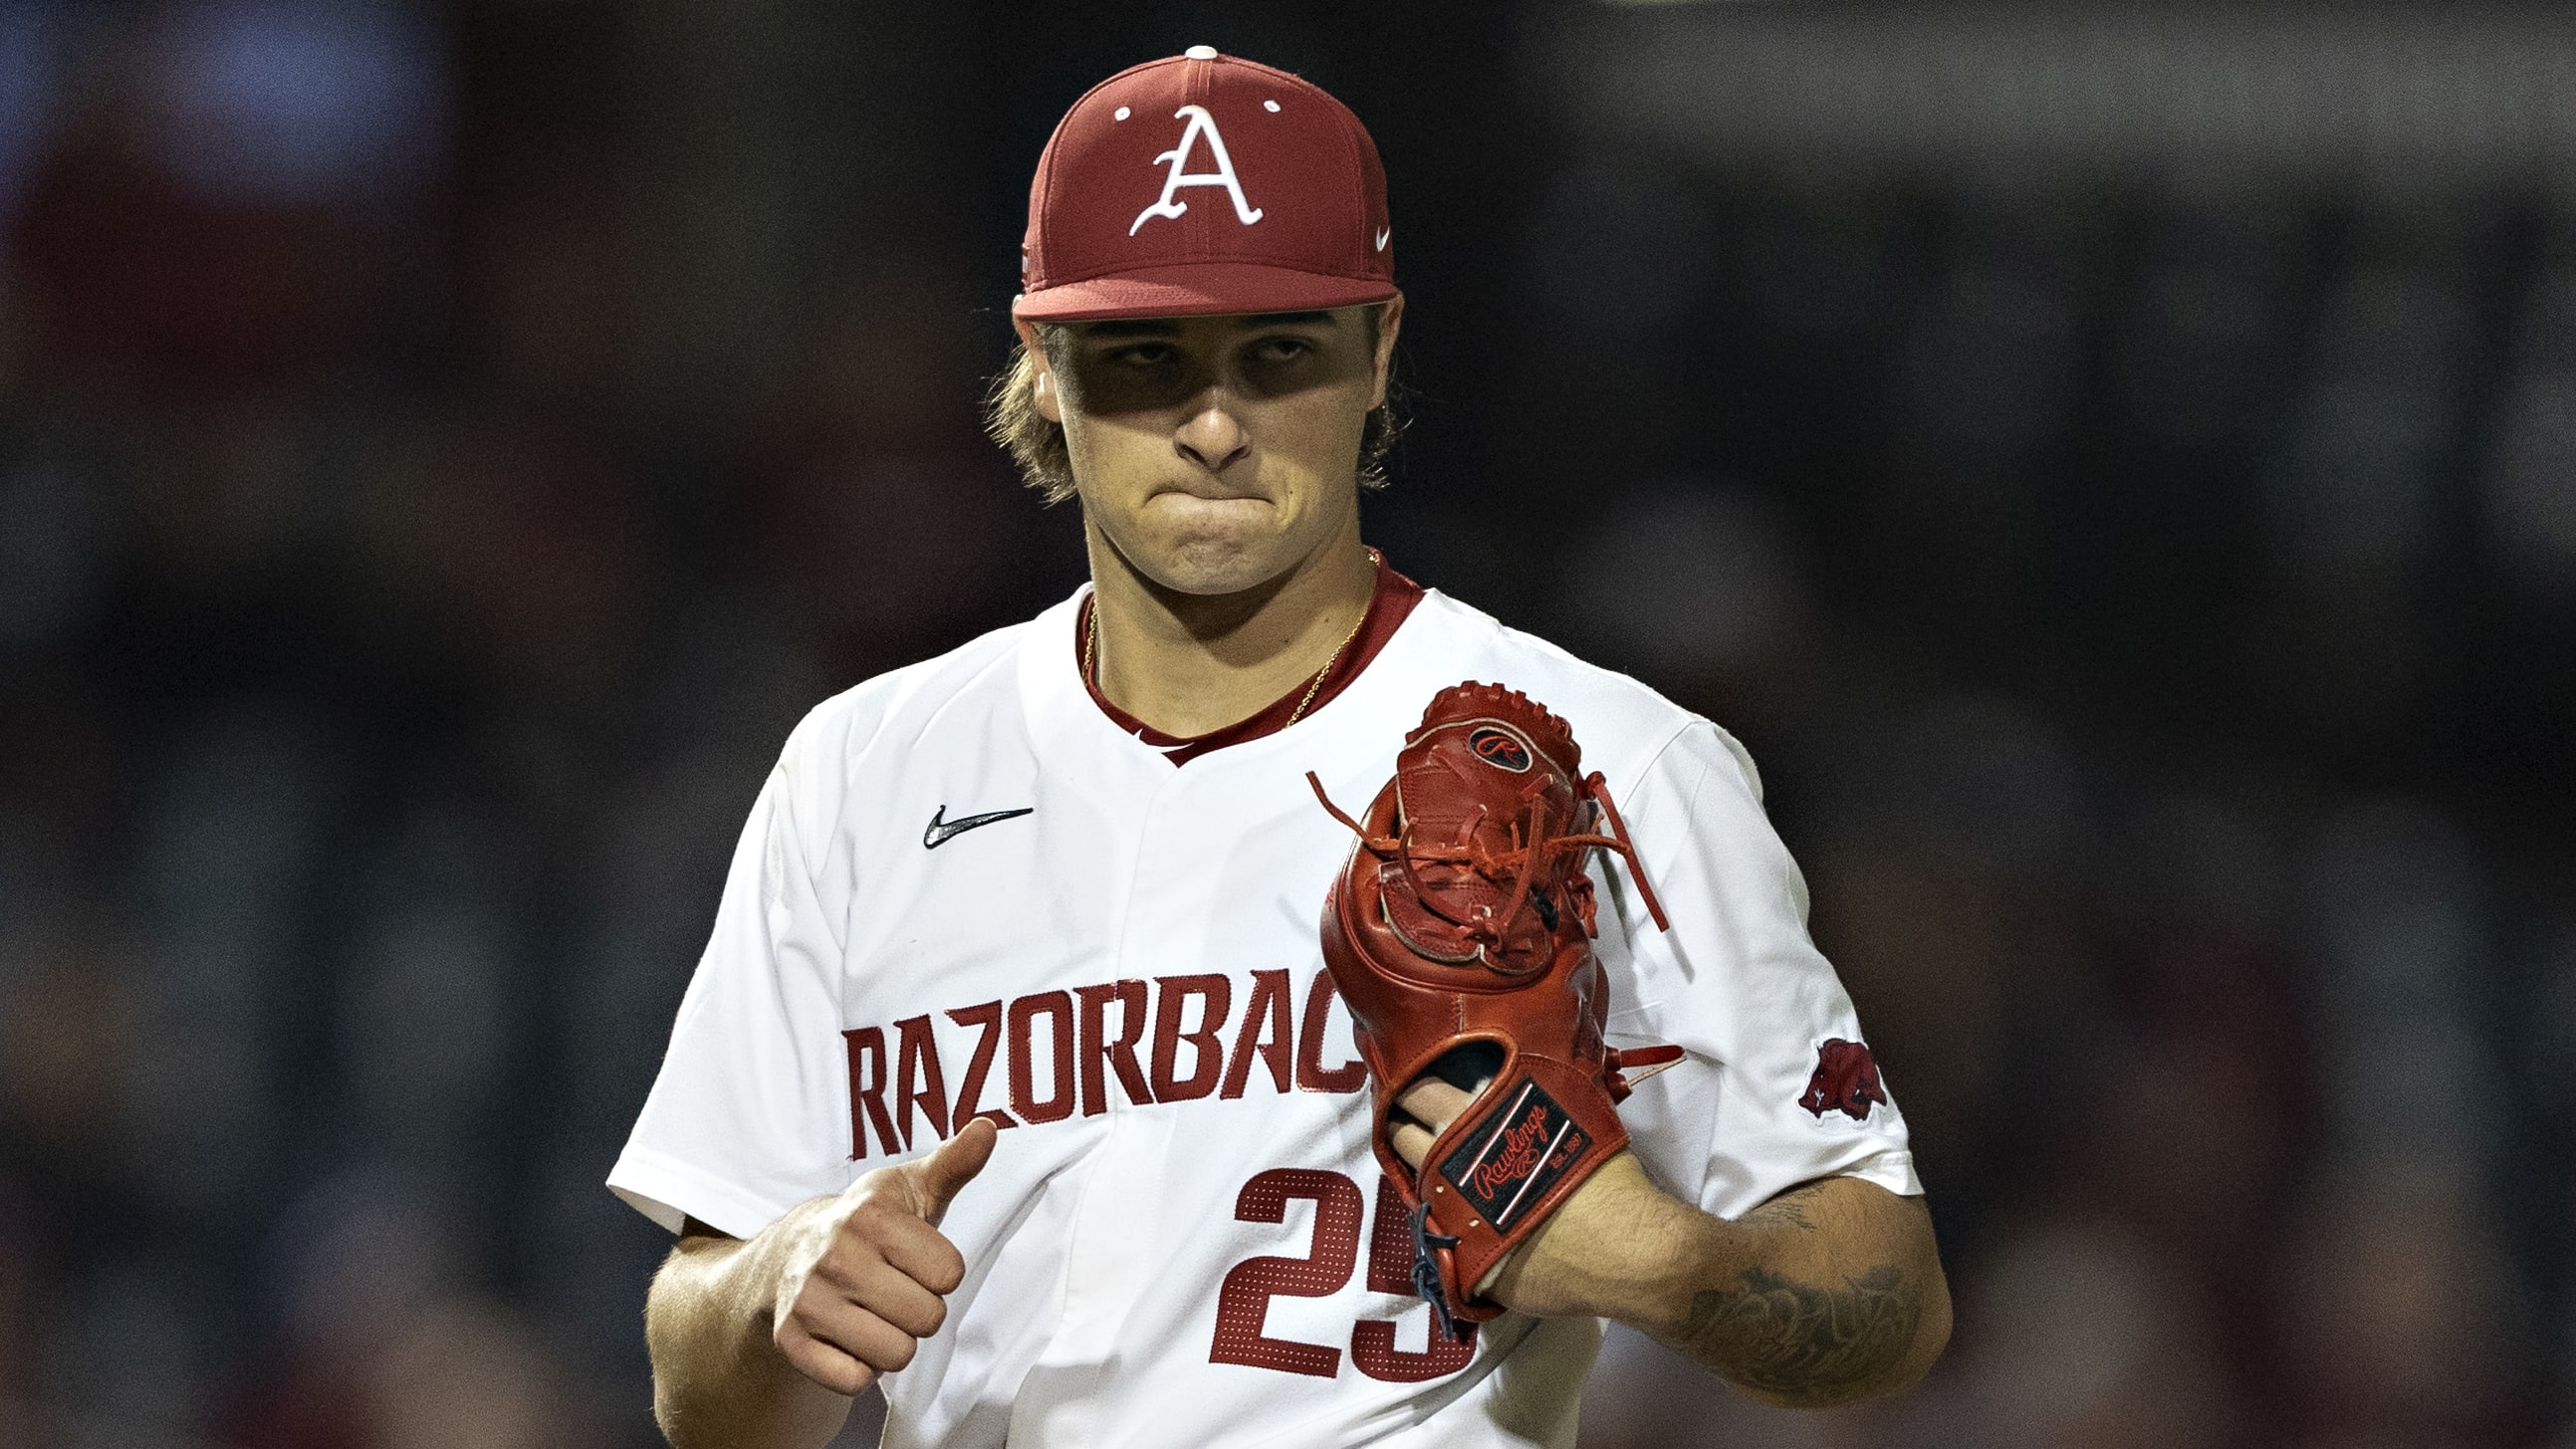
1520, 864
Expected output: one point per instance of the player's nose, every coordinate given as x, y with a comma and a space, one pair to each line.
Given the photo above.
1212, 436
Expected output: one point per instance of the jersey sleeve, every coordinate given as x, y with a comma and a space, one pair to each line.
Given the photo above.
1777, 1086
750, 1114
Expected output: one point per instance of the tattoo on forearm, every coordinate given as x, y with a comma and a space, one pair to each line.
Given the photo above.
1806, 1343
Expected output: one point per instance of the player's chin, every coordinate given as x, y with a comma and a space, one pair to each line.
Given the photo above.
1211, 569
1235, 546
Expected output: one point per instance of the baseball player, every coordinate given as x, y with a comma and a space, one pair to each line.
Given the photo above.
1013, 1079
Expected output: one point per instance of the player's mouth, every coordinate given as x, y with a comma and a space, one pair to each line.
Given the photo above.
1215, 490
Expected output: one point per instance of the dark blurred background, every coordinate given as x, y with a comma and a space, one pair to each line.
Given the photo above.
2116, 468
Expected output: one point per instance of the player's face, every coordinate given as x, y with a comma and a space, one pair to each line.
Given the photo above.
1217, 453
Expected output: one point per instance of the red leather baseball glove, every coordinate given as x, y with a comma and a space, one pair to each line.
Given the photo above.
1460, 933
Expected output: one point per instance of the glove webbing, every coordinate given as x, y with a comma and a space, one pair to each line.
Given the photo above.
1524, 862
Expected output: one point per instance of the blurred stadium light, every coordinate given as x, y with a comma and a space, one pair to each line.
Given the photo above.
2414, 98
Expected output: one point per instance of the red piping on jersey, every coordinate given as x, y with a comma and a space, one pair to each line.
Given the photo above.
1390, 604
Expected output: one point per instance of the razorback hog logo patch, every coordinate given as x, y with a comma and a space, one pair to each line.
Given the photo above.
1846, 1080
1501, 749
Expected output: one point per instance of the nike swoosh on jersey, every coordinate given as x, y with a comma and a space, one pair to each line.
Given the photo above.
942, 830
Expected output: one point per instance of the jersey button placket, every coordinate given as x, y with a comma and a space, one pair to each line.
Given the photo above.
1117, 1234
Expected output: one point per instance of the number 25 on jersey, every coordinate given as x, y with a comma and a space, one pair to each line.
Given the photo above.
1332, 1255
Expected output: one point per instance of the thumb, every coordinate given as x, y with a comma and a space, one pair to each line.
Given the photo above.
936, 1178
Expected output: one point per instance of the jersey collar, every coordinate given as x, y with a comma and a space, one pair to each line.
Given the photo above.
1391, 601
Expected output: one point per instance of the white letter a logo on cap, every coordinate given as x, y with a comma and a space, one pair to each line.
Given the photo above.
1201, 124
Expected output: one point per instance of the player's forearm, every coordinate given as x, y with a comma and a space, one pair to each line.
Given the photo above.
719, 1381
1828, 1293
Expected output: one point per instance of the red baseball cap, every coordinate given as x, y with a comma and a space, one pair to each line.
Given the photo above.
1203, 184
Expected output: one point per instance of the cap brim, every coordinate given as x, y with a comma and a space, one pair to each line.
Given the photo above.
1199, 289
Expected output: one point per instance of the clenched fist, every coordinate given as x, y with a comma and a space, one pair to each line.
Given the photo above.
866, 1280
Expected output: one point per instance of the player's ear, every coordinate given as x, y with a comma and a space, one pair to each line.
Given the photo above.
1390, 316
1045, 394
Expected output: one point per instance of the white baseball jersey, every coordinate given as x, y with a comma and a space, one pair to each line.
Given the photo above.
965, 890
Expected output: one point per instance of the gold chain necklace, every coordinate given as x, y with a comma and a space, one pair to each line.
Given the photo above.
1334, 658
1091, 646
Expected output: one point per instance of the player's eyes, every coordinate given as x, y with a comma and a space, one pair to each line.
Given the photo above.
1281, 349
1143, 354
